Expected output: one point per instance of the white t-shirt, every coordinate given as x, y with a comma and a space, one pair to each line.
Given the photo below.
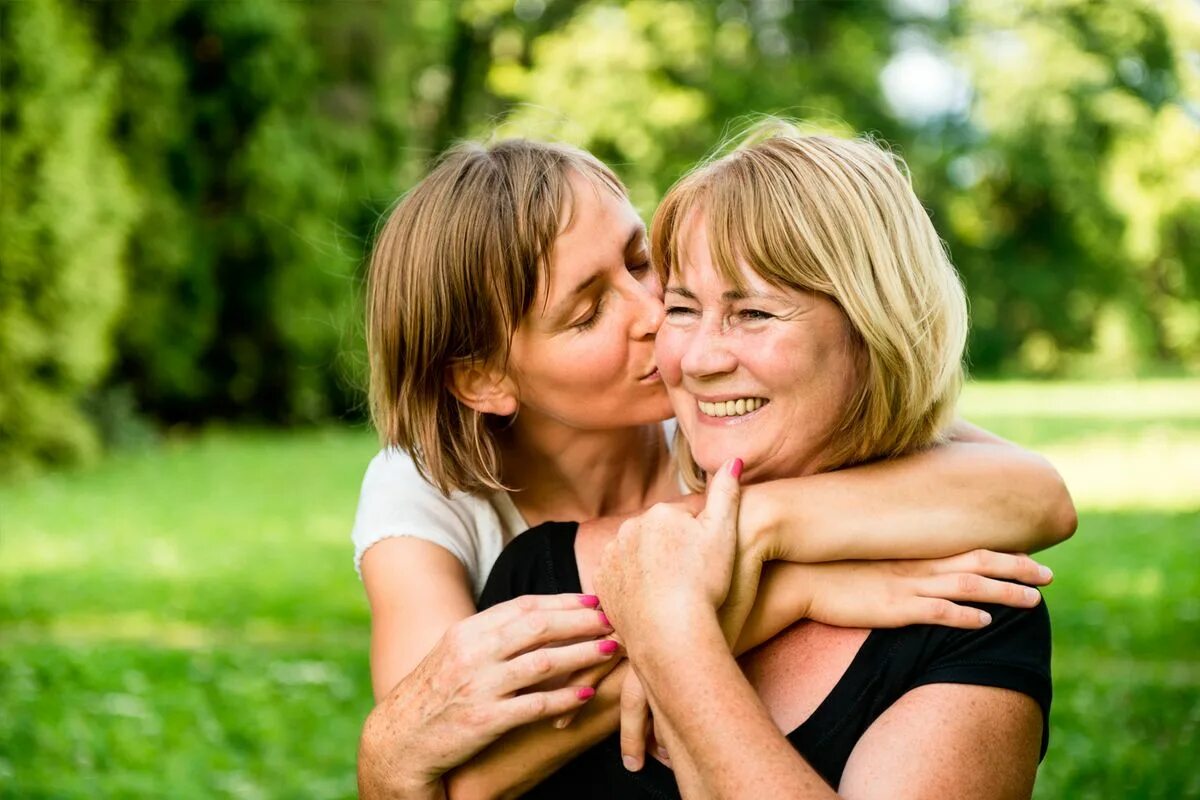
396, 501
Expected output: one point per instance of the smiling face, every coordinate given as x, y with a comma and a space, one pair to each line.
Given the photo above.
759, 372
583, 356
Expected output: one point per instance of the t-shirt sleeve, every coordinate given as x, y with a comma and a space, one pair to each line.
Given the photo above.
397, 501
1013, 652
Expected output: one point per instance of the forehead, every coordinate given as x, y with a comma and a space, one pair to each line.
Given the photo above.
595, 227
696, 266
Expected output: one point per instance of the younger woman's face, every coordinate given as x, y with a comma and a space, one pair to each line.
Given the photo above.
584, 355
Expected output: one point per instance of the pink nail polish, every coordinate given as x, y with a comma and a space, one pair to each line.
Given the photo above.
604, 619
589, 600
735, 469
585, 693
608, 646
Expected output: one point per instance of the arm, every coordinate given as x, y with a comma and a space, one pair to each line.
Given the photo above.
456, 681
976, 491
940, 740
663, 581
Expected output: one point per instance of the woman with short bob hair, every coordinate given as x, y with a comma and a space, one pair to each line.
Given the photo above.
839, 218
512, 315
804, 278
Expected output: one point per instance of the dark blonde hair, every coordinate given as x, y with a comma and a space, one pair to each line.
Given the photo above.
454, 269
838, 217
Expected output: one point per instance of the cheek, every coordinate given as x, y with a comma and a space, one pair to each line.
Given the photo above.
669, 346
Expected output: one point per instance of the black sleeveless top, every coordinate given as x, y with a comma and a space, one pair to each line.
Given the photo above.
1013, 652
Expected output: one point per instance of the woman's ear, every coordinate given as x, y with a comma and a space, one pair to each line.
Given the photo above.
486, 389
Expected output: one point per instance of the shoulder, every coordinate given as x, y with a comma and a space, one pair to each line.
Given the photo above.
396, 500
1012, 652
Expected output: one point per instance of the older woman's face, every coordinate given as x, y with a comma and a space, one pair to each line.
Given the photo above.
763, 374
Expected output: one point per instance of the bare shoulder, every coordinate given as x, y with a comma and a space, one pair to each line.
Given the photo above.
949, 740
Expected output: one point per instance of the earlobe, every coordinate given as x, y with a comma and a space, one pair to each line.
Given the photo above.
482, 388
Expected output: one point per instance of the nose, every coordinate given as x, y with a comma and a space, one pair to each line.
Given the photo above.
650, 312
709, 352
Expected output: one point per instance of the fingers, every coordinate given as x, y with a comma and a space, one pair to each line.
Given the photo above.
978, 589
635, 723
937, 611
526, 708
1012, 566
724, 494
540, 627
589, 676
548, 663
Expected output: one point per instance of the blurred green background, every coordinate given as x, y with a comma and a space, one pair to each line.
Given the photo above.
188, 190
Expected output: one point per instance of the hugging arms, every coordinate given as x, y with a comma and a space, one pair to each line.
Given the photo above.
442, 729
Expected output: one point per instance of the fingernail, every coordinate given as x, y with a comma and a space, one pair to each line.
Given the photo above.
631, 763
608, 646
585, 693
661, 752
985, 618
589, 600
561, 723
1032, 595
604, 619
735, 467
1045, 574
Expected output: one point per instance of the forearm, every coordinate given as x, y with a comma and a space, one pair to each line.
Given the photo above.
952, 498
524, 757
382, 775
709, 705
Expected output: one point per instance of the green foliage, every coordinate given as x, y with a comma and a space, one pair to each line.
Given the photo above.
266, 149
190, 187
186, 621
65, 212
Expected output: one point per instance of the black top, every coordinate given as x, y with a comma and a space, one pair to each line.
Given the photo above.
1013, 652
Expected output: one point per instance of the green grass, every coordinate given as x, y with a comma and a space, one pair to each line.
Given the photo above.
186, 622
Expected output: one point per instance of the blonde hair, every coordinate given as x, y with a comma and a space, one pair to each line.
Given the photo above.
838, 217
454, 269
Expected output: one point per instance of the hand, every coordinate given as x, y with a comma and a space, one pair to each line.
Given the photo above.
468, 690
666, 560
891, 594
591, 676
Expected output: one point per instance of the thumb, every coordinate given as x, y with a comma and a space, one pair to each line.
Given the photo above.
724, 494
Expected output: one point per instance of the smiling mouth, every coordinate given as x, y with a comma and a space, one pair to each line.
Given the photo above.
650, 376
732, 408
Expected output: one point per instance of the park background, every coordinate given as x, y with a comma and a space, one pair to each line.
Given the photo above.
188, 190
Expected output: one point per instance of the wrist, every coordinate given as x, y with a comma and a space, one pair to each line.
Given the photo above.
676, 628
760, 522
389, 768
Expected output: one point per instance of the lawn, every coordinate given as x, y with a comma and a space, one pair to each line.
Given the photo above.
185, 622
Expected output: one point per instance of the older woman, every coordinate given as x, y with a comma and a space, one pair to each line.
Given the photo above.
813, 322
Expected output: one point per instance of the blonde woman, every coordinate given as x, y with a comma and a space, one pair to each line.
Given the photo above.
511, 324
803, 279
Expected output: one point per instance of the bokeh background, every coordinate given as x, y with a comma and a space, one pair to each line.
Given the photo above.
188, 190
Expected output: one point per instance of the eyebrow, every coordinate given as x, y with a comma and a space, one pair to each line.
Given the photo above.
731, 296
587, 283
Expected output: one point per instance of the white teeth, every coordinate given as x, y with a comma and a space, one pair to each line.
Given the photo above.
732, 408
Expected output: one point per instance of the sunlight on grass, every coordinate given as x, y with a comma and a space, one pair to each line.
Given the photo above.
189, 616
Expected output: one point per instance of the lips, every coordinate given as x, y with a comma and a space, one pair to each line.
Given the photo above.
651, 375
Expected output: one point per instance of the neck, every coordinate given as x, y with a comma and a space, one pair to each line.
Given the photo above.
563, 473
